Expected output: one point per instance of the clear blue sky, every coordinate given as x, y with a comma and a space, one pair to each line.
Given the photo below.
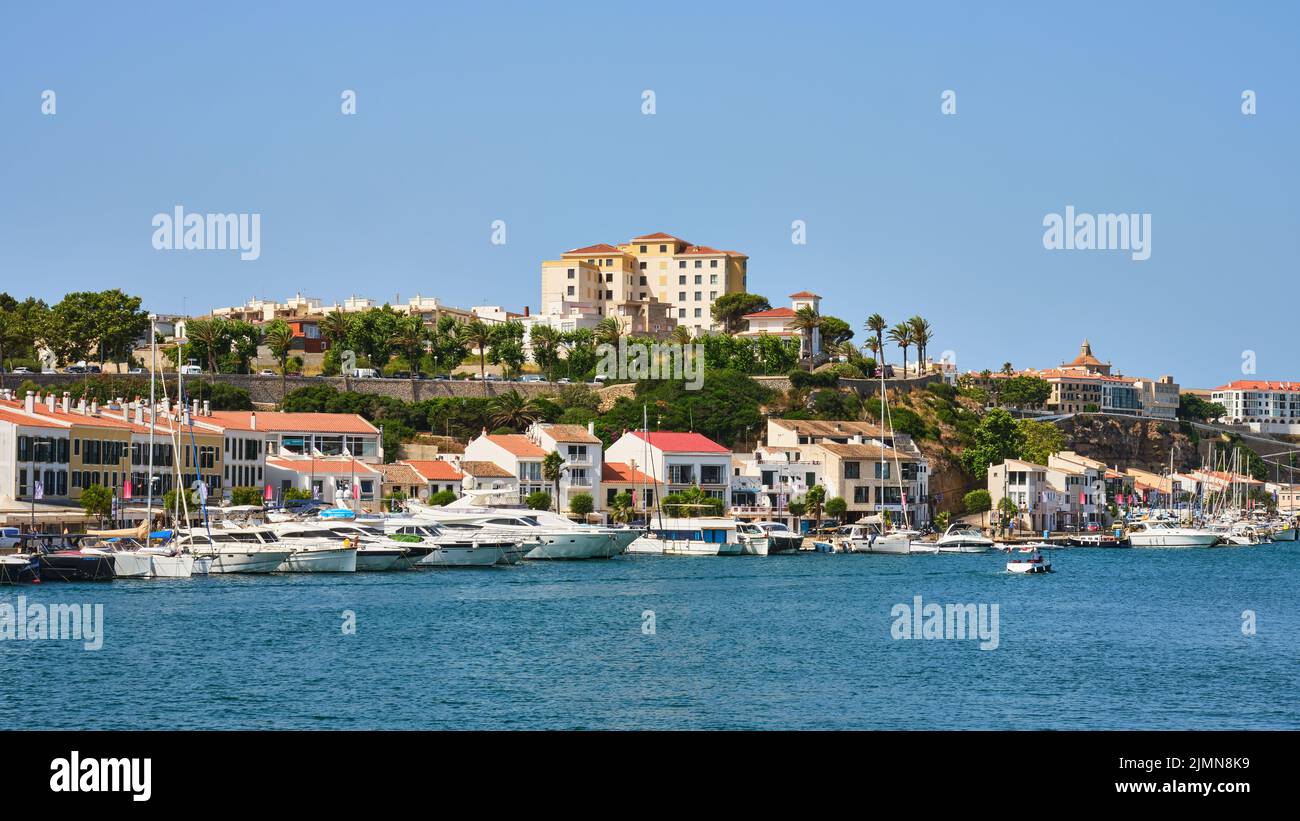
530, 113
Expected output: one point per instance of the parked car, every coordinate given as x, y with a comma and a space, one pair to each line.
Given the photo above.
267, 372
400, 375
9, 536
75, 369
191, 370
93, 369
21, 369
135, 370
530, 377
365, 373
442, 377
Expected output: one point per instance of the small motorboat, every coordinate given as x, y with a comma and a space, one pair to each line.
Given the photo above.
19, 568
1030, 561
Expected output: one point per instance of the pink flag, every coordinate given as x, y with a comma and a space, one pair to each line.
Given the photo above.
268, 495
126, 489
1083, 498
356, 491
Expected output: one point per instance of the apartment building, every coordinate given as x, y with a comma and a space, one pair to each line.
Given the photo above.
1026, 483
519, 457
656, 281
778, 322
678, 460
583, 458
1263, 405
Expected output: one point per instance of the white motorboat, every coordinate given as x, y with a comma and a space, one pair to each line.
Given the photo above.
314, 550
375, 552
433, 546
781, 539
1031, 561
1161, 534
866, 536
963, 538
552, 536
692, 536
19, 567
250, 550
754, 540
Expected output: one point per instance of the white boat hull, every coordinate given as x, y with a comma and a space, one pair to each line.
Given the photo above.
965, 547
1158, 539
130, 565
575, 545
755, 545
249, 561
171, 567
327, 560
887, 545
463, 556
683, 547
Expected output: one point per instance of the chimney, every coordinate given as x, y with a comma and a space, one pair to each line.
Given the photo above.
94, 407
163, 405
194, 408
49, 401
29, 402
81, 406
591, 427
67, 401
207, 407
525, 310
139, 413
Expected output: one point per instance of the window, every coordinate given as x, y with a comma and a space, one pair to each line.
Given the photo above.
852, 470
699, 280
882, 470
681, 313
609, 262
681, 474
681, 296
713, 295
713, 279
713, 263
681, 263
609, 277
643, 249
570, 290
681, 280
862, 495
711, 474
697, 313
697, 296
699, 263
663, 249
643, 282
577, 453
570, 273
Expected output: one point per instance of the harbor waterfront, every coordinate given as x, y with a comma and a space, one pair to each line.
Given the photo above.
1139, 639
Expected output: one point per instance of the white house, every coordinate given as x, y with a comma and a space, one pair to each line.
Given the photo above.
581, 449
679, 460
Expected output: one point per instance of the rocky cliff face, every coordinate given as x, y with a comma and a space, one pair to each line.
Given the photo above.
1140, 443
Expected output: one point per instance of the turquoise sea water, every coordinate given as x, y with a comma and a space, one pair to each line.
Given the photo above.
1115, 639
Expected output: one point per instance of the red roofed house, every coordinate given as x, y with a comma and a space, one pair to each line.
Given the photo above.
776, 321
627, 477
677, 459
516, 454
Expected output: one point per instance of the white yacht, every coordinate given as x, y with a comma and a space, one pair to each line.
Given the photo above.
867, 536
781, 539
375, 552
247, 550
963, 538
696, 536
552, 535
1161, 534
434, 546
314, 550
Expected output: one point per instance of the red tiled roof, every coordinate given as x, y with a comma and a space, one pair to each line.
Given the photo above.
277, 421
805, 295
489, 470
675, 442
624, 473
570, 433
516, 444
702, 250
771, 313
658, 235
334, 466
16, 418
436, 470
1259, 385
598, 248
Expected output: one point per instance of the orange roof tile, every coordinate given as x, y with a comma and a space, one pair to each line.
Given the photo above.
516, 444
805, 295
598, 248
275, 421
436, 470
771, 313
658, 235
322, 465
1259, 385
620, 472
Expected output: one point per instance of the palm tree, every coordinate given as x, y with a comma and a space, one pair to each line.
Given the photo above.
477, 336
682, 335
1007, 369
608, 330
410, 337
874, 346
335, 329
279, 338
921, 333
901, 335
513, 410
876, 324
209, 333
814, 499
806, 320
553, 468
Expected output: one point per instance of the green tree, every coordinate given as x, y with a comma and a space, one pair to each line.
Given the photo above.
538, 500
279, 338
997, 437
580, 357
1039, 440
978, 501
508, 347
621, 509
446, 348
409, 337
553, 468
608, 331
246, 496
97, 501
691, 502
941, 520
901, 335
836, 507
118, 322
1024, 391
477, 336
513, 410
1193, 408
442, 497
729, 310
581, 504
835, 331
545, 341
815, 498
805, 321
